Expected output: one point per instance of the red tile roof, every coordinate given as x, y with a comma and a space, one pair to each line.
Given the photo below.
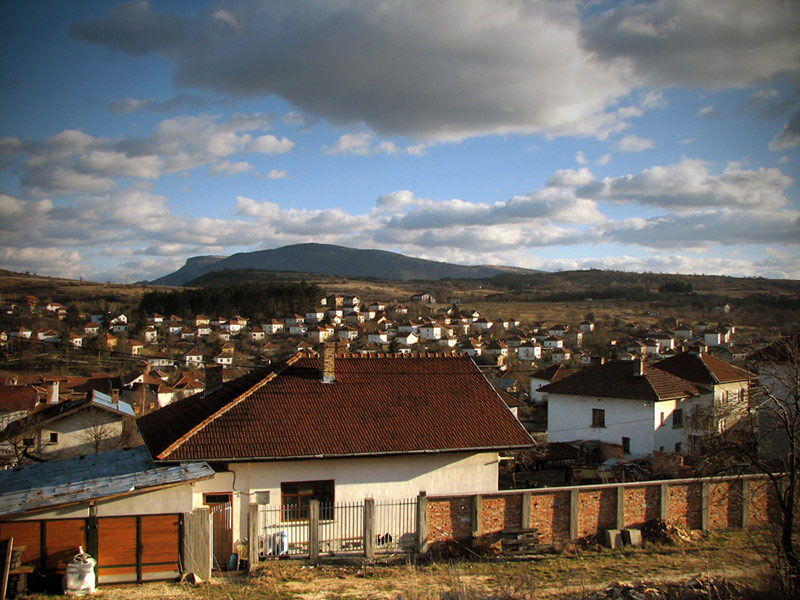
703, 369
618, 380
18, 398
377, 405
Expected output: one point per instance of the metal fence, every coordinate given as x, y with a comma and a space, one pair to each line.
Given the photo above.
286, 530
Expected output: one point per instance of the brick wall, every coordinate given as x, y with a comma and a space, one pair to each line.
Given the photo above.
718, 503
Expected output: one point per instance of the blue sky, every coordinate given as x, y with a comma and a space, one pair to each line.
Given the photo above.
648, 136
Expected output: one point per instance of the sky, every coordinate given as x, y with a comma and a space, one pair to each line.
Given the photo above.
659, 135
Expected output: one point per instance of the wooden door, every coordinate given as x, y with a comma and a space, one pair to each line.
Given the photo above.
222, 532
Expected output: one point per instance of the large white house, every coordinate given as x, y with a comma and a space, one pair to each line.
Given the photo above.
643, 407
339, 429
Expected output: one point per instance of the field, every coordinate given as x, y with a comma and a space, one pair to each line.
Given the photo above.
576, 573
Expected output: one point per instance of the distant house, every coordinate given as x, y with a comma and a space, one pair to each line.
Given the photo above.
553, 341
223, 359
424, 298
529, 351
74, 427
546, 376
272, 326
160, 359
320, 334
422, 423
586, 326
430, 331
348, 332
193, 358
629, 403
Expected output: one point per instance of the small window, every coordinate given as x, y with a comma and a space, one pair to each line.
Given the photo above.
626, 445
661, 418
677, 418
27, 442
598, 417
53, 438
677, 448
296, 495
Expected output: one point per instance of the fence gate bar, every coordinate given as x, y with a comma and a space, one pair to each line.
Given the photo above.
344, 528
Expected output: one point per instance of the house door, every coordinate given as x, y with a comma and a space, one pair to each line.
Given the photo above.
221, 528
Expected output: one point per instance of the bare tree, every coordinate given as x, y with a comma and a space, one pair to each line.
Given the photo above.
765, 439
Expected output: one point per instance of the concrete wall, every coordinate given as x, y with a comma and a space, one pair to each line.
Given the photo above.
563, 514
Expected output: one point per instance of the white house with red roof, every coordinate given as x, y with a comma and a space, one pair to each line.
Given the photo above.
341, 428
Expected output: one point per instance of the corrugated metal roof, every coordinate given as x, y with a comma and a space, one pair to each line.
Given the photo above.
91, 477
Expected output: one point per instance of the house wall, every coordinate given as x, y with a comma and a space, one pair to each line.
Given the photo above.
390, 477
79, 433
569, 418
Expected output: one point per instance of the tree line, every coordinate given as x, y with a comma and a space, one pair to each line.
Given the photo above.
249, 299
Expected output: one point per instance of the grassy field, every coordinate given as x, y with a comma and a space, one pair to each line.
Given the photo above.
575, 573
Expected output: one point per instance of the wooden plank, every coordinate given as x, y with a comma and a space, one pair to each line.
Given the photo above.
160, 539
116, 546
64, 537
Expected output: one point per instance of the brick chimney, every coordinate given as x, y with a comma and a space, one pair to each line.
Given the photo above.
638, 367
213, 378
328, 363
52, 392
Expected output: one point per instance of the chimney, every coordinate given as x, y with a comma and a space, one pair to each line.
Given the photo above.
638, 367
328, 363
213, 378
52, 392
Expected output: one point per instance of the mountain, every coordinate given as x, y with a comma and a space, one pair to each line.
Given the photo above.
332, 260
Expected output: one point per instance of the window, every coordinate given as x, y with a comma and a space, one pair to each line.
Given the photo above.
296, 495
626, 445
53, 438
661, 418
677, 447
677, 418
598, 417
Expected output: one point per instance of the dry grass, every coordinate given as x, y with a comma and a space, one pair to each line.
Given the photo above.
569, 574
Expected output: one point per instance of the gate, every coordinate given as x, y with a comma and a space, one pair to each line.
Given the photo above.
222, 533
286, 530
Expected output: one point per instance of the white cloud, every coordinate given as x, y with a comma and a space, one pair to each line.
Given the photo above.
580, 158
634, 143
362, 144
707, 112
604, 160
276, 174
269, 144
690, 184
570, 178
231, 168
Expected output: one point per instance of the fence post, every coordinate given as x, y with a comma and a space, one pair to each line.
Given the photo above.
620, 517
422, 523
704, 506
664, 503
573, 514
313, 531
369, 528
526, 510
746, 498
252, 537
477, 515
